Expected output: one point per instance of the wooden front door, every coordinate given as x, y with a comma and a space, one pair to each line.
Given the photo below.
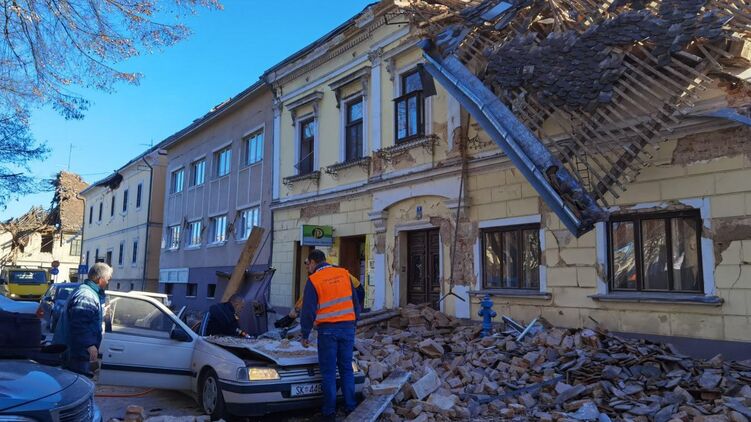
423, 268
352, 255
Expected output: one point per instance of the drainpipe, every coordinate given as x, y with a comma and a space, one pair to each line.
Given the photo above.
83, 227
148, 220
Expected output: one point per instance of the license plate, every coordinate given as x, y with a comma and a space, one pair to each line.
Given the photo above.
306, 389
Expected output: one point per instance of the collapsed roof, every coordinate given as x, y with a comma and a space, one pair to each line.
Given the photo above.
579, 93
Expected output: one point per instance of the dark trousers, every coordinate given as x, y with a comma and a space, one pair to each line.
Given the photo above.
335, 345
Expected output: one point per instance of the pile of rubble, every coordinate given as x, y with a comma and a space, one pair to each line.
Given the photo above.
551, 375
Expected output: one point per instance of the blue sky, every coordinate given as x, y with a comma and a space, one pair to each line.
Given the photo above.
228, 51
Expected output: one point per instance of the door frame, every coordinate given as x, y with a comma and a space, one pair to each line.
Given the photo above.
399, 289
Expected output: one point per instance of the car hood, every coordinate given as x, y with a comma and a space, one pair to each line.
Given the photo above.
25, 381
283, 353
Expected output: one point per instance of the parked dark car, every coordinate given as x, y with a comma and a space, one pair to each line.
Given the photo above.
37, 393
52, 303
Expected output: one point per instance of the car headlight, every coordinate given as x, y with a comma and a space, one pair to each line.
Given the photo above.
5, 418
14, 295
262, 374
355, 367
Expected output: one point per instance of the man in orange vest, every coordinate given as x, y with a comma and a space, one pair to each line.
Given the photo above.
331, 303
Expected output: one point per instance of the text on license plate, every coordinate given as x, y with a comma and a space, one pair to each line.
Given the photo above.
306, 389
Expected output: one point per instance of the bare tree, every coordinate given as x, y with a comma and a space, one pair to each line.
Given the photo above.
49, 47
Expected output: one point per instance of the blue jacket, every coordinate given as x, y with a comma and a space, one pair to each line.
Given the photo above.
80, 326
310, 305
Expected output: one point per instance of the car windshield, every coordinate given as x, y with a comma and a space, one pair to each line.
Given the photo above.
28, 277
64, 292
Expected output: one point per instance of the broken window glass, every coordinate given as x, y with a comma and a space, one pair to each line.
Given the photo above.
307, 139
624, 259
656, 252
511, 258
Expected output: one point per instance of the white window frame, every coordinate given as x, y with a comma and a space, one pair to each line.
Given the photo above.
707, 245
193, 171
191, 238
213, 221
509, 222
173, 237
362, 94
217, 160
247, 140
173, 180
243, 228
427, 107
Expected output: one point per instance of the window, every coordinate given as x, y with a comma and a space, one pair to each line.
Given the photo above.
222, 159
219, 229
134, 258
75, 247
248, 219
91, 214
112, 206
101, 206
176, 181
353, 130
511, 257
210, 291
121, 254
96, 256
307, 143
194, 235
48, 241
87, 258
173, 237
125, 200
168, 287
191, 289
408, 108
197, 172
139, 193
136, 316
656, 252
254, 148
108, 260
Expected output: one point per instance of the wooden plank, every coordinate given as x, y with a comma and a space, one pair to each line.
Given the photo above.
372, 407
246, 257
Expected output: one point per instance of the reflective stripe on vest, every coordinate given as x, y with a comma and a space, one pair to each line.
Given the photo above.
334, 289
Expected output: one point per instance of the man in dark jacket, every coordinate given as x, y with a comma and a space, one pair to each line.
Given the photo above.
80, 326
224, 317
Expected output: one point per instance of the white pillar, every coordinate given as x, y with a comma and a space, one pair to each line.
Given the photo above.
375, 57
275, 177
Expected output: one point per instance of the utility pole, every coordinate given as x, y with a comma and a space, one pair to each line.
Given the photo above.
70, 152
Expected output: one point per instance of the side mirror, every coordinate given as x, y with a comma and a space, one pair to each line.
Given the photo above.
179, 334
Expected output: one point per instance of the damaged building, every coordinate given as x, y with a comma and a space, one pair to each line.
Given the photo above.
573, 161
39, 237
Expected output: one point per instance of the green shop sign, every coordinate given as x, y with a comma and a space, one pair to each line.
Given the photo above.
311, 235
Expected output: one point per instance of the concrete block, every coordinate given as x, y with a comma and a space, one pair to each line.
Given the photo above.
661, 173
748, 204
490, 212
645, 322
355, 217
521, 207
717, 165
525, 313
728, 205
552, 257
514, 176
562, 277
736, 328
573, 297
586, 276
588, 240
579, 256
528, 191
339, 218
364, 228
562, 317
688, 187
491, 180
734, 181
727, 274
746, 251
696, 325
640, 192
506, 192
608, 318
736, 301
481, 197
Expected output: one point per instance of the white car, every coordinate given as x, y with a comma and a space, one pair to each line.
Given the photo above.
146, 345
9, 305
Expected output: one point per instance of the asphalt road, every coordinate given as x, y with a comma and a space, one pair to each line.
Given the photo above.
171, 403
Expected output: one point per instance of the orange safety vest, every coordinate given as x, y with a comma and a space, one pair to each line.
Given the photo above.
334, 290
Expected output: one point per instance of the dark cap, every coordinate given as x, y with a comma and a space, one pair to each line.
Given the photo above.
317, 255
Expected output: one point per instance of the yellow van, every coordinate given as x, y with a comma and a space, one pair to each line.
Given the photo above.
24, 283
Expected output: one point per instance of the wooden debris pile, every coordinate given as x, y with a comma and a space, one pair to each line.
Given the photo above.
553, 375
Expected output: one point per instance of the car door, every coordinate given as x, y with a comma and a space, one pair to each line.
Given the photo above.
145, 345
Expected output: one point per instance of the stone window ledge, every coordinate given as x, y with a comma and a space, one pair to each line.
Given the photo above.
363, 162
674, 298
513, 293
314, 175
426, 141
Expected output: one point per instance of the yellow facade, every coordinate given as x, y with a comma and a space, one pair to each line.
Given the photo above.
400, 192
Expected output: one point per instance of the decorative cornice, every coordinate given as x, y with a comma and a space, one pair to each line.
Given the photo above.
363, 162
314, 175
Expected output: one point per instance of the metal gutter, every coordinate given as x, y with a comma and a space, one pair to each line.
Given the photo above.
564, 195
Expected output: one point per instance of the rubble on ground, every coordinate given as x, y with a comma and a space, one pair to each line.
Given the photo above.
552, 374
